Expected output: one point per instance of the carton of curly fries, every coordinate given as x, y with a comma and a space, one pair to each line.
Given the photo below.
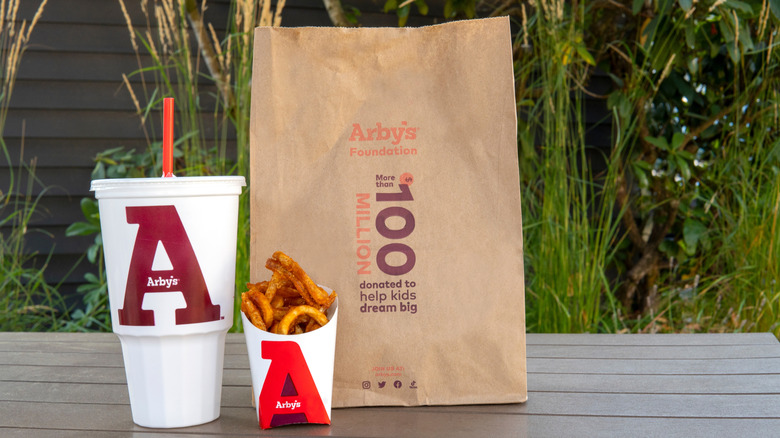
291, 353
292, 375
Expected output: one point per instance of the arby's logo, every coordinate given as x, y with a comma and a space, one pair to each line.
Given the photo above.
161, 225
289, 394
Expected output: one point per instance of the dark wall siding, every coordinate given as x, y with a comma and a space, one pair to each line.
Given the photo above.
69, 104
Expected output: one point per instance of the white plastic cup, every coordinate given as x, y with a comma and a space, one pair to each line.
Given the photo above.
292, 375
170, 253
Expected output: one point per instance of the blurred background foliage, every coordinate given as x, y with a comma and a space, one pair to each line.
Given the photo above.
666, 222
690, 182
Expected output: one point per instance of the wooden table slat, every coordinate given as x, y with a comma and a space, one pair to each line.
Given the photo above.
669, 339
655, 367
62, 385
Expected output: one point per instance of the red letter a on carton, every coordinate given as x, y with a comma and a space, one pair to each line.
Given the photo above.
161, 223
289, 394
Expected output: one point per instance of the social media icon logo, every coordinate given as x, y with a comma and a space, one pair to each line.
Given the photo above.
366, 384
413, 385
382, 384
397, 384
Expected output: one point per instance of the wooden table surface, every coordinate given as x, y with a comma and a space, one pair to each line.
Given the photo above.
63, 384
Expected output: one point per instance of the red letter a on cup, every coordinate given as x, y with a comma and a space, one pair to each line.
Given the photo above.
289, 394
161, 223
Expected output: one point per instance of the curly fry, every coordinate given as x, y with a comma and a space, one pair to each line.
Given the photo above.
277, 302
275, 266
279, 313
284, 325
298, 301
287, 291
311, 326
262, 303
252, 313
317, 293
290, 302
277, 280
259, 286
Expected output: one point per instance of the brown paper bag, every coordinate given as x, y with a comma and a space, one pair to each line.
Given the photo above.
385, 162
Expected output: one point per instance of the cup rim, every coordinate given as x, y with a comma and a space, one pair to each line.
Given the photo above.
109, 183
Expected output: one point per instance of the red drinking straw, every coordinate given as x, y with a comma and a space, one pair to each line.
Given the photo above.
167, 155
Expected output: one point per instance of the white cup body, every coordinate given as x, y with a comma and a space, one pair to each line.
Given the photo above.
170, 253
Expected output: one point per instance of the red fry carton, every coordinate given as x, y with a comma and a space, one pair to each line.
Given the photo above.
292, 375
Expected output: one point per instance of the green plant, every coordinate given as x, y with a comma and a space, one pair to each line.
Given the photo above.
95, 314
570, 228
402, 9
695, 100
748, 202
27, 301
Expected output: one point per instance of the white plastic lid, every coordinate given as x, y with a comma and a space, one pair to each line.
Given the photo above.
165, 187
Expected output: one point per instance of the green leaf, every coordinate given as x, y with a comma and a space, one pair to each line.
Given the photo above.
690, 36
615, 98
725, 29
422, 7
637, 6
403, 15
685, 155
677, 140
391, 5
91, 278
112, 151
99, 172
734, 52
746, 40
686, 4
664, 6
685, 169
641, 176
774, 5
616, 79
742, 6
643, 164
668, 247
693, 232
89, 208
352, 14
583, 52
732, 46
81, 229
658, 142
449, 10
86, 287
92, 253
471, 9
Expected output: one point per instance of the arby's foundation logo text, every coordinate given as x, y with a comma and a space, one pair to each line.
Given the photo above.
385, 140
161, 225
